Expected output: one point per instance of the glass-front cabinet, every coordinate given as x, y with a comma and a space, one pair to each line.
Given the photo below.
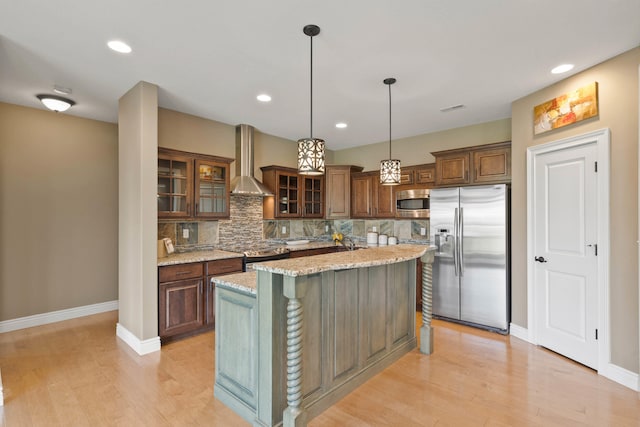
192, 185
211, 185
313, 201
295, 196
175, 182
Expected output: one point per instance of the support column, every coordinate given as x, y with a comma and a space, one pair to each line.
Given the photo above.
426, 331
294, 415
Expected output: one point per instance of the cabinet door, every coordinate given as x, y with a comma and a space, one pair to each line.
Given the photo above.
362, 196
313, 199
491, 166
426, 174
407, 176
338, 193
452, 169
211, 189
175, 183
181, 307
288, 193
386, 200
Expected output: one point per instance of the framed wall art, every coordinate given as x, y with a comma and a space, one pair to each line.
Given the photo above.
566, 109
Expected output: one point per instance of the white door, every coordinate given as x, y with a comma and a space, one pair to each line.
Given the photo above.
565, 250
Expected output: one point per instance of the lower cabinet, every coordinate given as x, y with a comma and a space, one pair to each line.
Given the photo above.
186, 296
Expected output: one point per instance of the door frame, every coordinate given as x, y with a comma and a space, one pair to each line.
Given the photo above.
602, 140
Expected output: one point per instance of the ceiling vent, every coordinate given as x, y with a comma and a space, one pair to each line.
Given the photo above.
451, 108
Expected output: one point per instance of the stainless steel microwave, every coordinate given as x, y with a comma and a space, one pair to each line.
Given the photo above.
413, 203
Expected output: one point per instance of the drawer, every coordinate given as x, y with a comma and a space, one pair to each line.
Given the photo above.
171, 273
224, 266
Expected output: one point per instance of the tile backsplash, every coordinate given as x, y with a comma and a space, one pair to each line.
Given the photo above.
246, 228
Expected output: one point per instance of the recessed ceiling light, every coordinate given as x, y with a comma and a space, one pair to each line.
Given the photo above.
562, 68
119, 46
263, 97
341, 125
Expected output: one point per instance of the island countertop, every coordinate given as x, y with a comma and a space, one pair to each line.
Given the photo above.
197, 256
366, 257
243, 282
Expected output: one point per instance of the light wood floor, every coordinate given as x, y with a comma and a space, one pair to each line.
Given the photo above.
77, 373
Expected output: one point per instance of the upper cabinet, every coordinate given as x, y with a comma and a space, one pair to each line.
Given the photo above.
338, 190
295, 196
192, 185
369, 198
420, 175
483, 164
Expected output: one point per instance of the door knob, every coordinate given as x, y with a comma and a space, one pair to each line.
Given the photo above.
540, 259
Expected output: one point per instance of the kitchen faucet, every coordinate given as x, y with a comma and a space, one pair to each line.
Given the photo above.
352, 244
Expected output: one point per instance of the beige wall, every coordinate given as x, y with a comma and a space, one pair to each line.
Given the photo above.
618, 104
417, 150
59, 211
138, 210
198, 135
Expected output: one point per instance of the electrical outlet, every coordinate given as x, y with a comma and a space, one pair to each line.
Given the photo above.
326, 228
284, 229
185, 233
374, 229
423, 231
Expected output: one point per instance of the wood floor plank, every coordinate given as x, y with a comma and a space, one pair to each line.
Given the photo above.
78, 373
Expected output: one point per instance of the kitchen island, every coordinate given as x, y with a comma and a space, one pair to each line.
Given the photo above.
297, 335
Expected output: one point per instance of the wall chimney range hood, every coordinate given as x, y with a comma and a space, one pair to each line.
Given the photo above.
244, 182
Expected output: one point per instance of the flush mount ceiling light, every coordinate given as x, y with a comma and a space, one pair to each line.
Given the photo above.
562, 69
390, 169
119, 46
56, 103
311, 150
263, 97
341, 125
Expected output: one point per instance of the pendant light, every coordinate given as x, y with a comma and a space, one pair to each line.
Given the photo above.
311, 150
389, 169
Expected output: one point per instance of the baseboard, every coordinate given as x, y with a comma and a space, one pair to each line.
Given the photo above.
621, 376
56, 316
141, 347
519, 332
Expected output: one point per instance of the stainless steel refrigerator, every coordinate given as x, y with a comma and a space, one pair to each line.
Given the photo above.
471, 274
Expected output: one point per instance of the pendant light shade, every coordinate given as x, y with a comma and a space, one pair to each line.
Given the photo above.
311, 150
56, 103
390, 169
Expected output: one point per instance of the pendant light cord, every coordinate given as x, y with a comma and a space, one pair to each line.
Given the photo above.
311, 93
389, 122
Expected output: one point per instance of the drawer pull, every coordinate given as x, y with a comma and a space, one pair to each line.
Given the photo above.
181, 273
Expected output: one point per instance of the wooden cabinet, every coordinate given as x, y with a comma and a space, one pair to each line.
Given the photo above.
422, 175
370, 199
192, 185
338, 190
483, 164
492, 165
175, 185
180, 299
295, 196
186, 297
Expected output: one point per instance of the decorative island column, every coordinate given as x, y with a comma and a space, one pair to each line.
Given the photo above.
294, 415
426, 331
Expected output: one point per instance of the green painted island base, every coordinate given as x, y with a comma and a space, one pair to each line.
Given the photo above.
299, 344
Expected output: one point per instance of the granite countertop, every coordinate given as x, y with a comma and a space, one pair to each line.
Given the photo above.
368, 257
197, 256
243, 282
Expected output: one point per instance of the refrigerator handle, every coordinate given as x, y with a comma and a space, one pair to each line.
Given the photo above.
461, 245
456, 266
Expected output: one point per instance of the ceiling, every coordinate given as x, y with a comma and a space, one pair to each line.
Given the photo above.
211, 58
